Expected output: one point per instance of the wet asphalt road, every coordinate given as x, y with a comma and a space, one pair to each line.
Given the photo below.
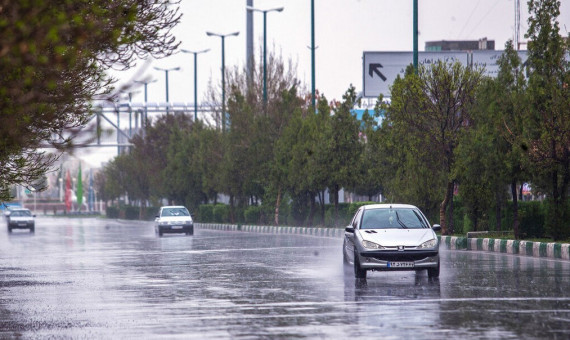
98, 279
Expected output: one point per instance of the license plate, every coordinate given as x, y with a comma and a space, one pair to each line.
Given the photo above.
176, 227
400, 264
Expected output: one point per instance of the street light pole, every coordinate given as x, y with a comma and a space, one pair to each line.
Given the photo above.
143, 125
166, 70
223, 36
196, 80
313, 54
415, 4
279, 9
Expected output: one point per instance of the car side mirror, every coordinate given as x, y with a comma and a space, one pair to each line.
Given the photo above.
436, 227
34, 215
349, 230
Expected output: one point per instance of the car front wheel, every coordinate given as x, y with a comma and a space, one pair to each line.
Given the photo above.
359, 273
434, 272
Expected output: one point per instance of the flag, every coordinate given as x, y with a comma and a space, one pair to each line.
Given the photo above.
79, 191
68, 192
91, 192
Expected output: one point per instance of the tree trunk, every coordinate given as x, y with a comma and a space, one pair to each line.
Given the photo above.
336, 190
451, 226
515, 209
277, 204
322, 203
498, 212
312, 208
443, 208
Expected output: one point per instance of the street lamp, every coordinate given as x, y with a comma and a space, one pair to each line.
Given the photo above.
196, 80
166, 70
278, 9
145, 82
313, 54
223, 36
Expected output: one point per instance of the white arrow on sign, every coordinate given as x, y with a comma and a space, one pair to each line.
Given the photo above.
380, 69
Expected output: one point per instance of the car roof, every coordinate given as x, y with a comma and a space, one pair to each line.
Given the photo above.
172, 206
389, 206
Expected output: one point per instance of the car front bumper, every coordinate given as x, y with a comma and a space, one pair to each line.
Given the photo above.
386, 260
176, 229
21, 225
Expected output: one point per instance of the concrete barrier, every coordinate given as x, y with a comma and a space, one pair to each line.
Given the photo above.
515, 247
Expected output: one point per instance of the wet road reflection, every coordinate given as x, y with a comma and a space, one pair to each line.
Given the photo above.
88, 278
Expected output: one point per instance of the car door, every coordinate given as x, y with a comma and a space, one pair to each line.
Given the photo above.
349, 237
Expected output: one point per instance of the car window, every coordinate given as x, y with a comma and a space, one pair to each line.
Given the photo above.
21, 213
175, 212
392, 219
356, 219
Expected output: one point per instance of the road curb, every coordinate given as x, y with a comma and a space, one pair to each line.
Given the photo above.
515, 247
320, 232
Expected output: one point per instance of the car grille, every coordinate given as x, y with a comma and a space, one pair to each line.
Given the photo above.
400, 256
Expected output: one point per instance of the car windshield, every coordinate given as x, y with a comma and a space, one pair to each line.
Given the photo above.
175, 212
401, 218
21, 213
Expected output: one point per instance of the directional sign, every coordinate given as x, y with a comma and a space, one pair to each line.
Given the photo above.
380, 69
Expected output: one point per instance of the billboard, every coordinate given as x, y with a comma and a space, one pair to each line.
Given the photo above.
380, 69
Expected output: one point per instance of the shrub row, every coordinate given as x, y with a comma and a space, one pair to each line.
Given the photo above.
531, 216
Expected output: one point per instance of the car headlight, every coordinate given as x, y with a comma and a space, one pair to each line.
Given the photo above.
162, 223
371, 245
428, 244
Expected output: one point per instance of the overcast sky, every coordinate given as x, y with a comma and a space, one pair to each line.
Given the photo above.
343, 30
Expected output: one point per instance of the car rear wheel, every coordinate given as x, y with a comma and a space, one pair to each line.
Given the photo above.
434, 272
359, 273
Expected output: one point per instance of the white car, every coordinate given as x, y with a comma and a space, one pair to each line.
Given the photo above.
388, 237
174, 219
20, 218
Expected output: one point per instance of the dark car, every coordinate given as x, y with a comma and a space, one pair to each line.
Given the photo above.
20, 218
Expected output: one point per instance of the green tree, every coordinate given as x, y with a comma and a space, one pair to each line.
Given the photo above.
547, 125
491, 157
53, 61
342, 148
433, 109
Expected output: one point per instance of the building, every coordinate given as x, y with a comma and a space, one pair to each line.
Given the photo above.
460, 45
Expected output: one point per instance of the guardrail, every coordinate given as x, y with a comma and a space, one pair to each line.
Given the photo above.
515, 247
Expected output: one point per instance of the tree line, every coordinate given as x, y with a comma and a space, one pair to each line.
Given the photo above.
448, 130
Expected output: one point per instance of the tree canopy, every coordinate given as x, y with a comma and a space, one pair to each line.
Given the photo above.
53, 61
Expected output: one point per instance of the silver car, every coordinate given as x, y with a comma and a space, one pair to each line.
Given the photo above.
174, 219
20, 218
388, 237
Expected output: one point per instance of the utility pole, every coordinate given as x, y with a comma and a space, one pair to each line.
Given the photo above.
416, 36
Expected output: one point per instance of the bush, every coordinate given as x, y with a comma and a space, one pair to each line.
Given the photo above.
531, 216
252, 214
206, 213
221, 213
112, 212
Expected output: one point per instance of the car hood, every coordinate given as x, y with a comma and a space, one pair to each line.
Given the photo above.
397, 237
